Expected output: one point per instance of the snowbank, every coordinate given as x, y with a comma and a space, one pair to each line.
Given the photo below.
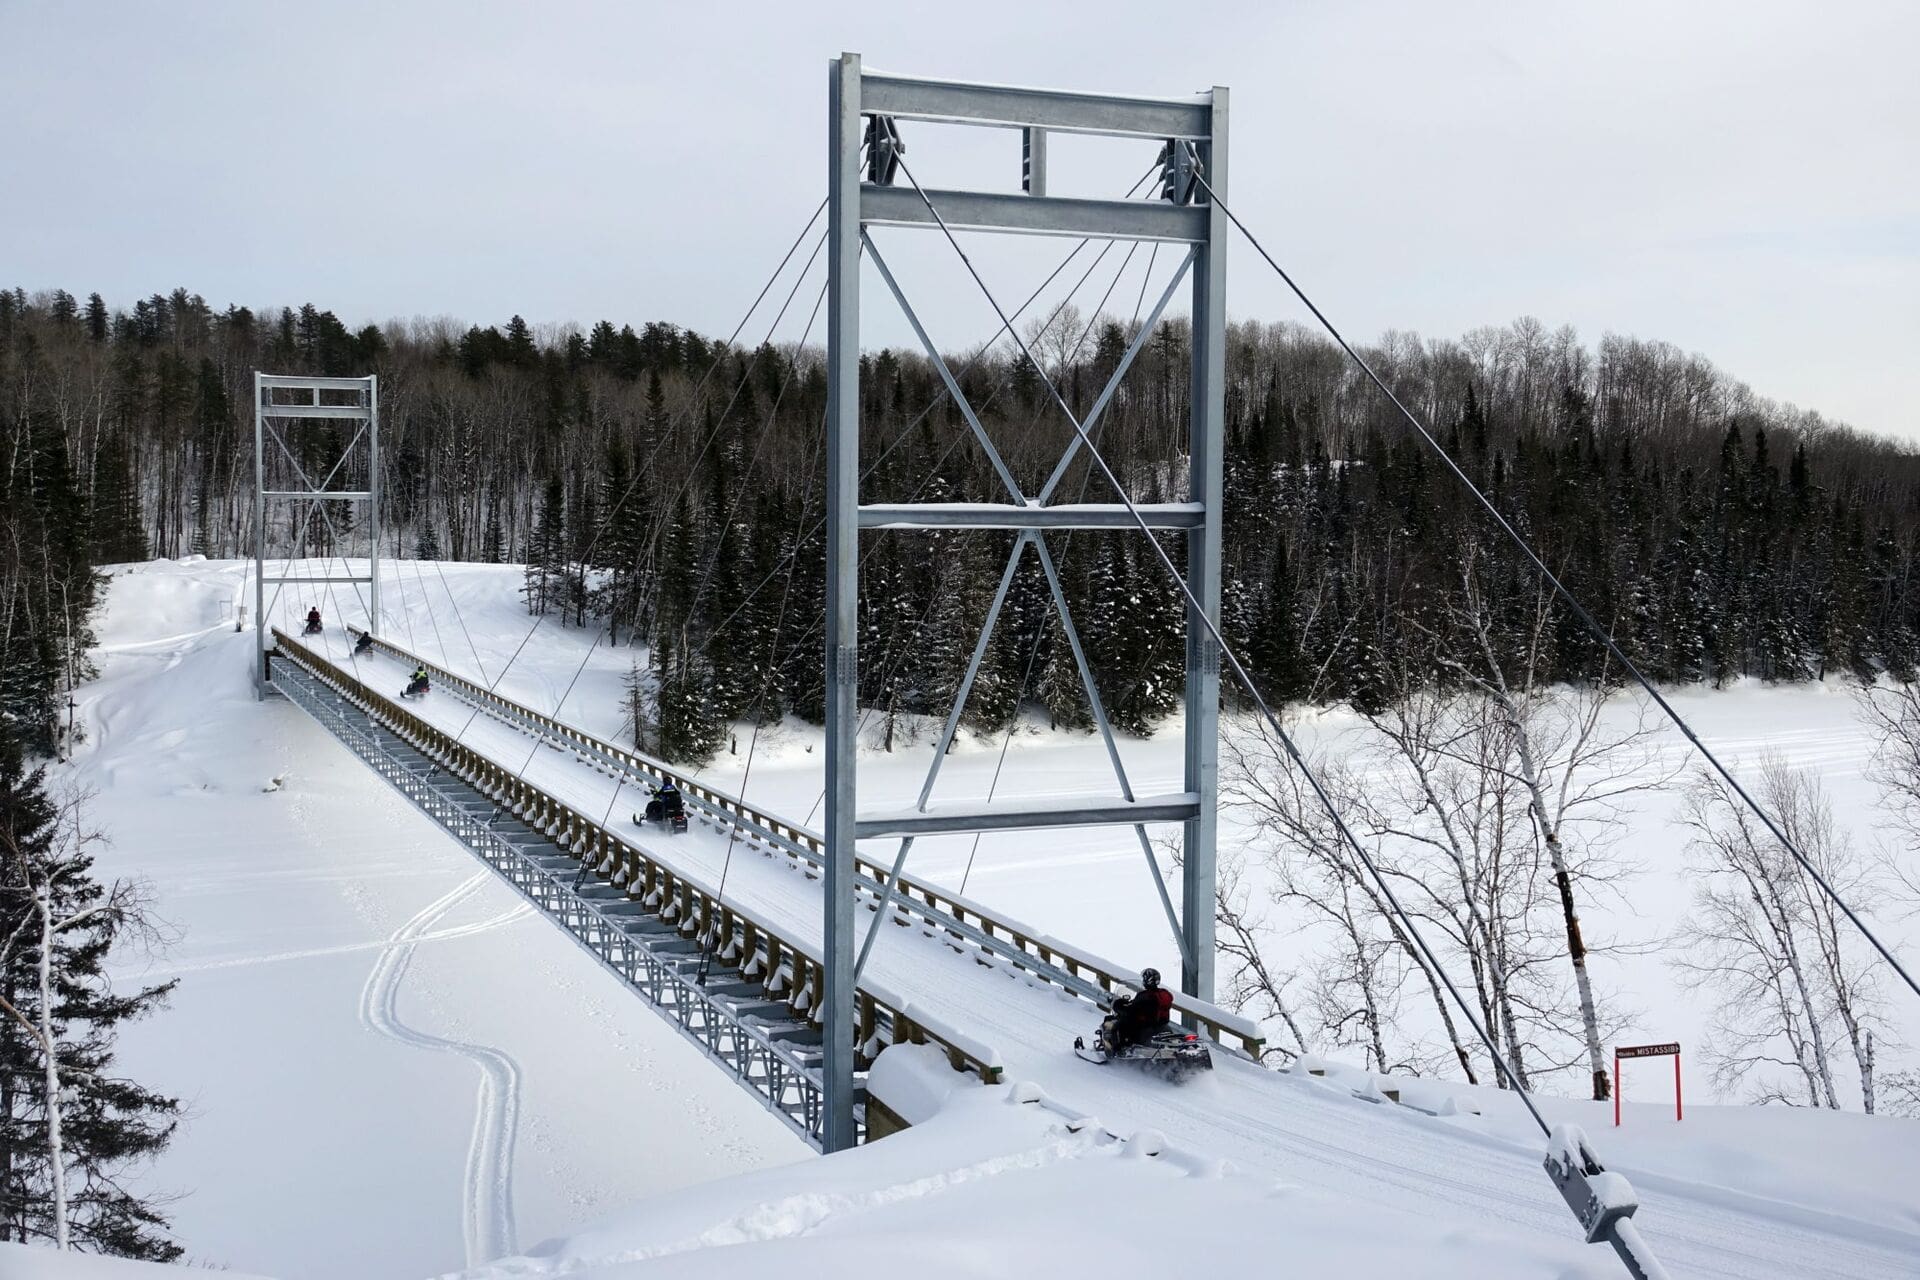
30, 1262
999, 1182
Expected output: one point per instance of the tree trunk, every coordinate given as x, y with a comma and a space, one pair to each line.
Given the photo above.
1583, 983
56, 1153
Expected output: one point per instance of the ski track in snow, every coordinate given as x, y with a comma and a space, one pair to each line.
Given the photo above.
487, 1219
312, 953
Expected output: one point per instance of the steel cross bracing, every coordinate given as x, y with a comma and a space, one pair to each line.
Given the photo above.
279, 402
865, 110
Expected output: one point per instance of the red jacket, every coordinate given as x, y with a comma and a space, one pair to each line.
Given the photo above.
1150, 1010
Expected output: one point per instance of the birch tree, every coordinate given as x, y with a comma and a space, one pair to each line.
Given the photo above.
1789, 979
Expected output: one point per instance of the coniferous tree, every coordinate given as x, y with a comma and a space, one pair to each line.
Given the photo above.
546, 546
70, 1127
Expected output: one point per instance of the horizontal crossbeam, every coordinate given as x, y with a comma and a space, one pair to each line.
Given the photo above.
909, 98
316, 411
1003, 515
311, 384
955, 819
345, 495
1036, 215
271, 581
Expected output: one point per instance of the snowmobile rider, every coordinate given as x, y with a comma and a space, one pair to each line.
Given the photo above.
1136, 1018
313, 619
364, 643
417, 683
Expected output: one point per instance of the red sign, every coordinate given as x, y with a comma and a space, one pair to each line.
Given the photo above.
1646, 1051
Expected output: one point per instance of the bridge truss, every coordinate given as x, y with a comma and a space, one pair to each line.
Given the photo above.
311, 471
865, 164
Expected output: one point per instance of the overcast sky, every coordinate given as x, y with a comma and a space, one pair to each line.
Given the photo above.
1739, 179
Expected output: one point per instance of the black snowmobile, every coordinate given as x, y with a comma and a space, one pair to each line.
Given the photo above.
364, 643
313, 627
1170, 1050
665, 809
418, 687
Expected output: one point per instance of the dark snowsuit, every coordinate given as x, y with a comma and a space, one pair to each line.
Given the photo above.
1138, 1017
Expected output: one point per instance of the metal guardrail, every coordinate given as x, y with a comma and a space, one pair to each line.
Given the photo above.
788, 971
1028, 949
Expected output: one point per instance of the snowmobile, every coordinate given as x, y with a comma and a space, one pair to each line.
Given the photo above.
1171, 1051
666, 808
418, 687
313, 627
364, 643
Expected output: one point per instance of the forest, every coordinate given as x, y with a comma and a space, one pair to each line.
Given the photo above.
667, 487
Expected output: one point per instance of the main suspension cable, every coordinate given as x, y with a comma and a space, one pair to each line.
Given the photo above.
1572, 602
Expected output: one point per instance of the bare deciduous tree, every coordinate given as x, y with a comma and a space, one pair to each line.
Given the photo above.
1785, 969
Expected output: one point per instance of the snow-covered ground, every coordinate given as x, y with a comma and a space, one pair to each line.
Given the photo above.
348, 976
392, 1066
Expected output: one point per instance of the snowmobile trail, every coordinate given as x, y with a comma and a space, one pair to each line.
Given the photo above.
487, 1219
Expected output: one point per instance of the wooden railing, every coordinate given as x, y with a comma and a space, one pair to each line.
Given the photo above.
790, 970
1026, 948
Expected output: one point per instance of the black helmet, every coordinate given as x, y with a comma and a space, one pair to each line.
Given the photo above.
1149, 978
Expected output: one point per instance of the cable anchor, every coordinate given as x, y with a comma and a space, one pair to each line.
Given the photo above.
884, 149
1180, 171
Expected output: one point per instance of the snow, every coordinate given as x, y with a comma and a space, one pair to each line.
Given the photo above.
992, 1185
29, 1262
412, 1053
391, 1065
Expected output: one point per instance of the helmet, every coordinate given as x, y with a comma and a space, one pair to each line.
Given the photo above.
1149, 978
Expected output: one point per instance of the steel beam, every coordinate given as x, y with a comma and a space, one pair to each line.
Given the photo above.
1002, 515
965, 820
259, 540
314, 577
1207, 444
1047, 216
912, 98
373, 500
344, 495
303, 382
357, 411
844, 131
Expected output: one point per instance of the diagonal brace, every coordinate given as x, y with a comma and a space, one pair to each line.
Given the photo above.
946, 374
1106, 734
1119, 372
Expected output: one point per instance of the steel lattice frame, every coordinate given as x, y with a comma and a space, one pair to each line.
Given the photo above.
865, 105
272, 415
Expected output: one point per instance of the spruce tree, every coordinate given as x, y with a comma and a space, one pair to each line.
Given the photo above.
101, 1125
546, 546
